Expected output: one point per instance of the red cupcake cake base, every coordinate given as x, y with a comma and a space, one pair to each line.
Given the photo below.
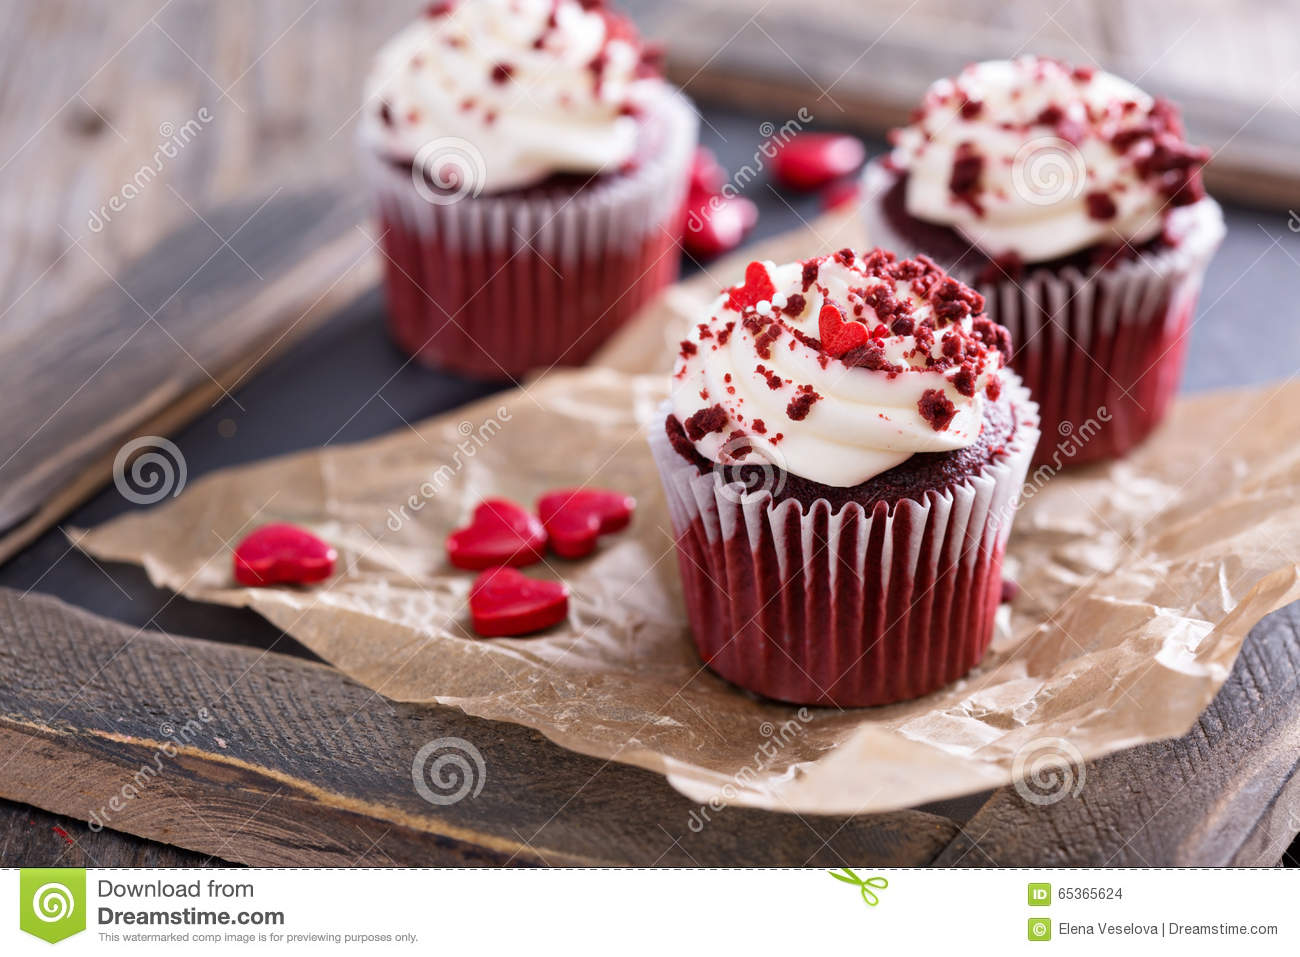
846, 604
495, 313
494, 286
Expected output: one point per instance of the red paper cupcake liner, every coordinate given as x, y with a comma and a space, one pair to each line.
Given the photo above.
1101, 352
495, 286
811, 606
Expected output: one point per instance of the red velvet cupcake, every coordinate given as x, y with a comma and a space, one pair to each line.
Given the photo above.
1071, 200
529, 170
842, 455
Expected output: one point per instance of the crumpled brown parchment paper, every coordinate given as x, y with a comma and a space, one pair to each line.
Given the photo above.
1138, 582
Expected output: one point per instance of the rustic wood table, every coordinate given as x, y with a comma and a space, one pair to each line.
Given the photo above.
257, 218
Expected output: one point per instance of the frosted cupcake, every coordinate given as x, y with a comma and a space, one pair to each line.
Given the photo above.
1071, 199
842, 452
529, 169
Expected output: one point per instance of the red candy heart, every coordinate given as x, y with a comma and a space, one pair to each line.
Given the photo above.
810, 160
840, 193
505, 603
717, 224
839, 335
707, 177
576, 517
500, 533
283, 554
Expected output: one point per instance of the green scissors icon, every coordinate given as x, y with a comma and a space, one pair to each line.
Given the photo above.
865, 886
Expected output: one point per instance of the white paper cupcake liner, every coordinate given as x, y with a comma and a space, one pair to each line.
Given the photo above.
815, 606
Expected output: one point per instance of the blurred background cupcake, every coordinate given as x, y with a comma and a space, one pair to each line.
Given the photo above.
842, 453
1071, 199
529, 168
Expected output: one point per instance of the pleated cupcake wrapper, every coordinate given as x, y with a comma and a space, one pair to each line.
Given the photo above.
848, 608
1102, 352
493, 286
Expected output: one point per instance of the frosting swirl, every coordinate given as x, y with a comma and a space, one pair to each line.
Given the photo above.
839, 368
534, 87
1033, 160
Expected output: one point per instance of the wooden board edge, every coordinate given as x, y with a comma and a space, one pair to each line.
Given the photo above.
191, 404
359, 834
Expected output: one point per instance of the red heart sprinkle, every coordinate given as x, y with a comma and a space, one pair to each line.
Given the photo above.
839, 335
717, 224
505, 603
576, 517
500, 533
810, 160
707, 176
757, 286
283, 554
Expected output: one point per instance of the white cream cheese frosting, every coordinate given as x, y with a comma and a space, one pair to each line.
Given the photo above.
532, 87
838, 368
1033, 159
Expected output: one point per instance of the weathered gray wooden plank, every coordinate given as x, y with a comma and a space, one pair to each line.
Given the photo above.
1225, 793
173, 331
297, 765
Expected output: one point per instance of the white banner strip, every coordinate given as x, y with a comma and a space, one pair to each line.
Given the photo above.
796, 912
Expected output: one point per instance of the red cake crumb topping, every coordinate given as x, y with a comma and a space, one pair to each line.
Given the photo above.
1101, 206
712, 419
870, 356
937, 409
763, 341
502, 72
801, 404
736, 447
966, 169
